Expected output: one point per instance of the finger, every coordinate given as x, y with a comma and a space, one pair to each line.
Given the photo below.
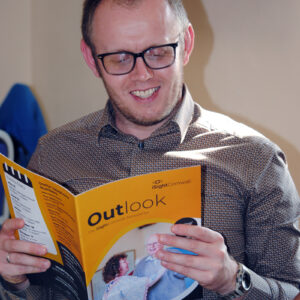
212, 279
19, 259
17, 270
187, 260
20, 264
14, 279
11, 225
203, 277
195, 246
11, 245
197, 232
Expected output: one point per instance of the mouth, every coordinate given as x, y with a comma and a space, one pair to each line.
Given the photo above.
144, 94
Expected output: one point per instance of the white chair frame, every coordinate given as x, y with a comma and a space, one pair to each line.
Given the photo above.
5, 137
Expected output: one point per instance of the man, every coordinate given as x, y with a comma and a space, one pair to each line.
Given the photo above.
250, 204
170, 285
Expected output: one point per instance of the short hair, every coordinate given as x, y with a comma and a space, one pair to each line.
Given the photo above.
90, 6
112, 267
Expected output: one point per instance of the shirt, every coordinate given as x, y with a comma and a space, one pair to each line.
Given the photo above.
170, 284
248, 194
127, 288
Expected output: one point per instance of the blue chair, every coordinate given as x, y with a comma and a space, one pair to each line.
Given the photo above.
22, 119
7, 149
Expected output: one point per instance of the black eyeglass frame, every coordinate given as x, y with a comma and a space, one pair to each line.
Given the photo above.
140, 54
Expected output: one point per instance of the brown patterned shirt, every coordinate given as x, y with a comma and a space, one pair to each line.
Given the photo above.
248, 193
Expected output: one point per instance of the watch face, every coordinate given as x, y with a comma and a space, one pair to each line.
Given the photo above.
243, 283
246, 281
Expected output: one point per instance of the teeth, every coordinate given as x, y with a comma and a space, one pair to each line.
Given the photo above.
145, 94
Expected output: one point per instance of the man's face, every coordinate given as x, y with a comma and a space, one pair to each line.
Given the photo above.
153, 245
144, 96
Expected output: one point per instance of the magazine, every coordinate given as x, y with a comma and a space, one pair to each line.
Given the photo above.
101, 242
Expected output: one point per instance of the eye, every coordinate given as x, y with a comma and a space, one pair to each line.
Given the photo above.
159, 52
121, 58
156, 52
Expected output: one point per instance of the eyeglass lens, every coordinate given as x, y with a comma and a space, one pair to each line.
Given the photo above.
155, 58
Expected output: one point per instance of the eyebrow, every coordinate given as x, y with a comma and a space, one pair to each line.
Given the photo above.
124, 50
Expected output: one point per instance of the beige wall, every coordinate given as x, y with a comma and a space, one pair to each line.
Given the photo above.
245, 62
62, 81
15, 43
247, 58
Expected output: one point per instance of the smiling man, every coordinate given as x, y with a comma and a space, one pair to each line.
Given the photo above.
248, 246
140, 60
170, 285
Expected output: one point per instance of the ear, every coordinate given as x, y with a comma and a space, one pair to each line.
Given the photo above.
188, 43
88, 57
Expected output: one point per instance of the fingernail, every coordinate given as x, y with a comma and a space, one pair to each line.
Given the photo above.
43, 251
174, 227
46, 265
159, 254
162, 238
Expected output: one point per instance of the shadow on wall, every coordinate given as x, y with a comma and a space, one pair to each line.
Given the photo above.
194, 77
204, 42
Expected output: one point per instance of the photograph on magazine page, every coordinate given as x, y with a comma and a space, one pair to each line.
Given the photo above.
130, 269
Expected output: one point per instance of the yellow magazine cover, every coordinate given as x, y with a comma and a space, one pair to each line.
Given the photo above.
89, 234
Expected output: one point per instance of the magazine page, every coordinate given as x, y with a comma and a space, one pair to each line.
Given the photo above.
38, 201
117, 224
48, 210
83, 232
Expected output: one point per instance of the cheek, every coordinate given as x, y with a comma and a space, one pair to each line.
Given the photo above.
172, 76
113, 83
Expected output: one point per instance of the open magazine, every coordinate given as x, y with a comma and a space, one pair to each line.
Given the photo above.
102, 242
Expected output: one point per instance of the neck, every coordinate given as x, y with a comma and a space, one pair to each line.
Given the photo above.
141, 132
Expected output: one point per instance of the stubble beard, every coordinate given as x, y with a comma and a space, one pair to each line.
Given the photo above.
171, 106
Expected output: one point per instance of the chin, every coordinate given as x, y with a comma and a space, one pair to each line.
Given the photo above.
152, 120
145, 120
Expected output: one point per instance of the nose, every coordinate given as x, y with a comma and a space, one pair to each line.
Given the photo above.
141, 71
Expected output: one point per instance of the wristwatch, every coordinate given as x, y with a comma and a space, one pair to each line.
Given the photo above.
242, 285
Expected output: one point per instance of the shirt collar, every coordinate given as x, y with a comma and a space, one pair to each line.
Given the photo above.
107, 116
184, 115
151, 258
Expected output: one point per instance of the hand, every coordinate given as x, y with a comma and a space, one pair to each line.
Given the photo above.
212, 266
21, 261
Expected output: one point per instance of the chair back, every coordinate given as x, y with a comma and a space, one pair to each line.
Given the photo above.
22, 119
7, 149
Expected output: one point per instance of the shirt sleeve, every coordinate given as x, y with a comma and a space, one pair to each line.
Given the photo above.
272, 232
27, 292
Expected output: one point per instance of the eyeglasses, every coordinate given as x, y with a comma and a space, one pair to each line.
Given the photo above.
123, 62
155, 244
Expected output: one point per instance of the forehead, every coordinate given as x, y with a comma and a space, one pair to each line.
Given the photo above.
118, 27
152, 239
